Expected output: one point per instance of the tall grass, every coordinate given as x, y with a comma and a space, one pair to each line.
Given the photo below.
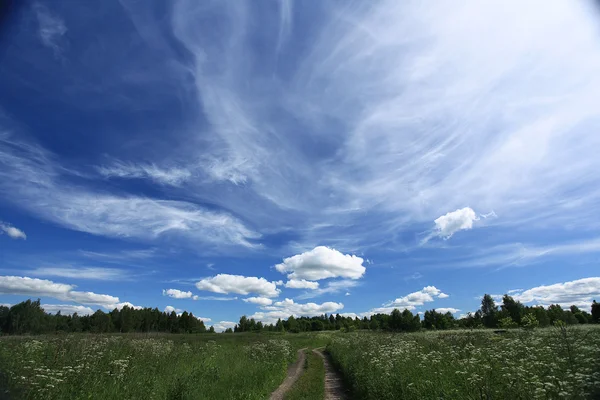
552, 363
311, 385
140, 367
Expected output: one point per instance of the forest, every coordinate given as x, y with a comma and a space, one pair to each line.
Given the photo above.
28, 317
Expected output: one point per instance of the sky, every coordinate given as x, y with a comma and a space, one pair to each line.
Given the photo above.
276, 158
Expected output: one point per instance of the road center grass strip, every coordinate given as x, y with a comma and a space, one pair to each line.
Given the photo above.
311, 385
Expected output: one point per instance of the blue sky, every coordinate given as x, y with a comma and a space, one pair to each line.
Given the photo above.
271, 158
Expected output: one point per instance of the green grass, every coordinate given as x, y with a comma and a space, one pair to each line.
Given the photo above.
543, 364
237, 366
311, 385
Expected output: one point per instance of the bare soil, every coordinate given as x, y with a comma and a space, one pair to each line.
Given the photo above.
294, 372
334, 386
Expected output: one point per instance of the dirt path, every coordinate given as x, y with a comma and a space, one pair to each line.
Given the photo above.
294, 372
334, 387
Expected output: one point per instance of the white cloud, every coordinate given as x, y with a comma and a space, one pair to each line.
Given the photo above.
262, 301
18, 285
419, 298
204, 319
338, 286
222, 325
225, 284
444, 310
322, 263
92, 273
443, 296
580, 292
51, 29
214, 298
29, 172
283, 309
170, 309
67, 309
178, 294
11, 231
452, 222
169, 176
301, 284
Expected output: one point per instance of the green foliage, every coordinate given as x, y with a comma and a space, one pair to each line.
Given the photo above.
507, 323
529, 322
456, 365
29, 317
489, 311
596, 312
148, 366
311, 385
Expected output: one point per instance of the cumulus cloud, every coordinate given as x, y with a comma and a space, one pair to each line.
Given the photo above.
580, 292
178, 294
168, 176
443, 296
170, 309
444, 310
225, 284
11, 231
19, 285
67, 309
283, 309
222, 325
301, 284
452, 222
262, 301
91, 273
204, 319
322, 263
419, 298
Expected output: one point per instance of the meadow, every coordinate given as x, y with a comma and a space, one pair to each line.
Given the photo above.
550, 363
553, 363
134, 366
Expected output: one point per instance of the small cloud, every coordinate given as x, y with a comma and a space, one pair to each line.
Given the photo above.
262, 301
322, 263
415, 276
210, 266
51, 29
163, 176
11, 231
170, 309
347, 294
177, 294
447, 225
442, 296
225, 284
301, 284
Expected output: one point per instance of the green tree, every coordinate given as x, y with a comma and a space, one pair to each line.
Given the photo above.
489, 311
595, 312
514, 308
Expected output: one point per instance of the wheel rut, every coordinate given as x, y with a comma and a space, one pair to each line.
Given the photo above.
334, 385
294, 372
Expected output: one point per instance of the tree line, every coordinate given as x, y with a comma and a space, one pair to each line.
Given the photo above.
510, 314
30, 317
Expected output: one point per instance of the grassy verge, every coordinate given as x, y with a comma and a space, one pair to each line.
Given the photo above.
456, 365
81, 366
311, 385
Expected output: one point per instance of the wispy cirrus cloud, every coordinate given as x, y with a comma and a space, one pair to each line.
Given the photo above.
51, 29
79, 272
32, 174
164, 176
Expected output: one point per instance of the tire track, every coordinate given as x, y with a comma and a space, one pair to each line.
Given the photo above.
334, 385
294, 372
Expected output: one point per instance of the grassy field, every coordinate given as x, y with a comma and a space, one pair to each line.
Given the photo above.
311, 385
550, 363
240, 366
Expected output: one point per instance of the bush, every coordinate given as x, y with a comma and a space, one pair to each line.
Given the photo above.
529, 321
